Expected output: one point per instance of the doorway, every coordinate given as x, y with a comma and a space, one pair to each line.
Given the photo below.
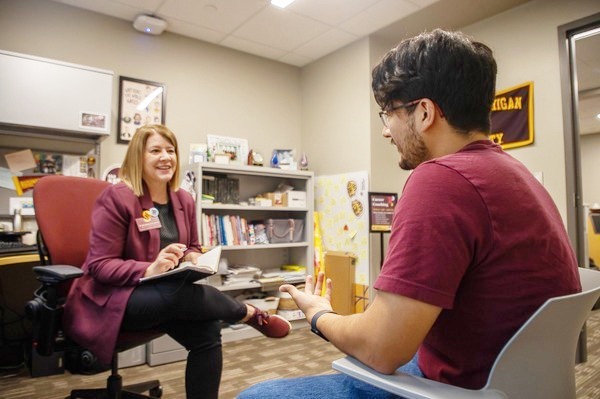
580, 81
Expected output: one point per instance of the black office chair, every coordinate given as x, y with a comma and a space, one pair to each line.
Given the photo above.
63, 208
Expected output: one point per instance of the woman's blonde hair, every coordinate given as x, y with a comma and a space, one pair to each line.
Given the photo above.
133, 165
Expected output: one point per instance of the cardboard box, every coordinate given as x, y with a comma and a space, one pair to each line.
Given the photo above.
340, 268
276, 198
294, 199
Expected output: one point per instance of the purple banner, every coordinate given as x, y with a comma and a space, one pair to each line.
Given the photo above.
512, 117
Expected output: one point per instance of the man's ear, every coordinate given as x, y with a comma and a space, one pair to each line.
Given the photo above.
426, 113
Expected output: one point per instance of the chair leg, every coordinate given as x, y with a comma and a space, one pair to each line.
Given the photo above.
147, 386
115, 389
581, 353
98, 393
135, 395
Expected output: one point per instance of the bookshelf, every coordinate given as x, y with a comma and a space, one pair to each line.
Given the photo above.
250, 182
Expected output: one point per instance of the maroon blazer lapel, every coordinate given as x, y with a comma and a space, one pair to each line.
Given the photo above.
146, 203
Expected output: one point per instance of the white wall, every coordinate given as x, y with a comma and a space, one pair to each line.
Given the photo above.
210, 89
335, 111
326, 109
386, 175
525, 44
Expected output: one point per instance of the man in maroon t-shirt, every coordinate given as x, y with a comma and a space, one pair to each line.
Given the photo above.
477, 244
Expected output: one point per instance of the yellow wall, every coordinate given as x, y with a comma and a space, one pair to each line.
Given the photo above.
593, 242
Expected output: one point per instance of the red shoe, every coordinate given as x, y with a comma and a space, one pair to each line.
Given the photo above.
272, 326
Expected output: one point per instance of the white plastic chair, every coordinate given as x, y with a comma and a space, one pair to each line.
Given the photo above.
538, 362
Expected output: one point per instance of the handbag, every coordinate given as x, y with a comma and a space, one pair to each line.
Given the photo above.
285, 230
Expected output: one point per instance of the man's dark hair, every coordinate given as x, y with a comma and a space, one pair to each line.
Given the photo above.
455, 72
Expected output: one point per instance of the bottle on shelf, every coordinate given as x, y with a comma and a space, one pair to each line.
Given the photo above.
274, 160
304, 162
17, 220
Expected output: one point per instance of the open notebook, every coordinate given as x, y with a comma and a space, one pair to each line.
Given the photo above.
206, 265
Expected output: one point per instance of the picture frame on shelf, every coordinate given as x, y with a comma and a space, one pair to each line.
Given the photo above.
141, 102
198, 152
283, 159
90, 120
236, 149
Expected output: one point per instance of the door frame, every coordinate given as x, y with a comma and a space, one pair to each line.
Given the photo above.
570, 106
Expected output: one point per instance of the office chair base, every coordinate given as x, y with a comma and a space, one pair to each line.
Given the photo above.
133, 391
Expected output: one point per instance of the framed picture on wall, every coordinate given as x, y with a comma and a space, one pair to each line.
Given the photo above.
141, 102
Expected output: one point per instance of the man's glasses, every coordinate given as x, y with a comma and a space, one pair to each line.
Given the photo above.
385, 115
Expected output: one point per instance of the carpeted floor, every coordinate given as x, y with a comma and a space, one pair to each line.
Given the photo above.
253, 360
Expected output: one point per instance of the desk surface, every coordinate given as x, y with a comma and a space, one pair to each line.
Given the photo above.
15, 259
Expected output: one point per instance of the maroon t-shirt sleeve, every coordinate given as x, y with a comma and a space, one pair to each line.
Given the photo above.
438, 231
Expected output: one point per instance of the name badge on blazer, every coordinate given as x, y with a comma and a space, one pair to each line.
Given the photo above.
144, 224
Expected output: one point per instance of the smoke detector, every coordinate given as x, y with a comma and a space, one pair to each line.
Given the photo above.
149, 24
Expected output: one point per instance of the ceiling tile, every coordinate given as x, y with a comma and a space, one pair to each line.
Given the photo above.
195, 31
330, 12
218, 15
279, 28
252, 47
113, 8
381, 14
327, 43
306, 30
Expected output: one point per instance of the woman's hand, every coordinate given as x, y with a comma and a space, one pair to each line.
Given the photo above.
167, 259
191, 257
310, 301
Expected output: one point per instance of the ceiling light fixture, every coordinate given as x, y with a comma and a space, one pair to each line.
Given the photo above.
281, 3
149, 24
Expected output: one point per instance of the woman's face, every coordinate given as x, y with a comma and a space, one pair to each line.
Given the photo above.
160, 160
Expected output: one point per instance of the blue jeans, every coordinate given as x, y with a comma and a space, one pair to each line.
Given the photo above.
331, 386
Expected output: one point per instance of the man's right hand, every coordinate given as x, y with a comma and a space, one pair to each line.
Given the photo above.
310, 301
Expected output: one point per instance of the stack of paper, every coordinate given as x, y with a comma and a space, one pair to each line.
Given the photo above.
240, 274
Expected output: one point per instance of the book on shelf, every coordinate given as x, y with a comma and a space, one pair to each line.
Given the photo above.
222, 188
206, 265
224, 230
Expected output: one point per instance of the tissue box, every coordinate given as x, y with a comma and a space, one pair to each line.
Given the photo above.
294, 199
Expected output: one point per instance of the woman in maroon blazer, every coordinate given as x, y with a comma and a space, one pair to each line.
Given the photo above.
142, 227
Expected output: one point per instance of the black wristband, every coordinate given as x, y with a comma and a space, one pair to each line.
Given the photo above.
313, 323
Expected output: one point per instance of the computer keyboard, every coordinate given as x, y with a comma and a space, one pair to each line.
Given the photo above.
10, 247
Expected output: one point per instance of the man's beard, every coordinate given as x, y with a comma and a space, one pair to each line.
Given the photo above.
414, 151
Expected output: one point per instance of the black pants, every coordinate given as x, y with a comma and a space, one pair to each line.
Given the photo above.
190, 314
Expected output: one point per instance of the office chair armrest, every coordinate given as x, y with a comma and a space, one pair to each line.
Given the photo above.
409, 386
57, 273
